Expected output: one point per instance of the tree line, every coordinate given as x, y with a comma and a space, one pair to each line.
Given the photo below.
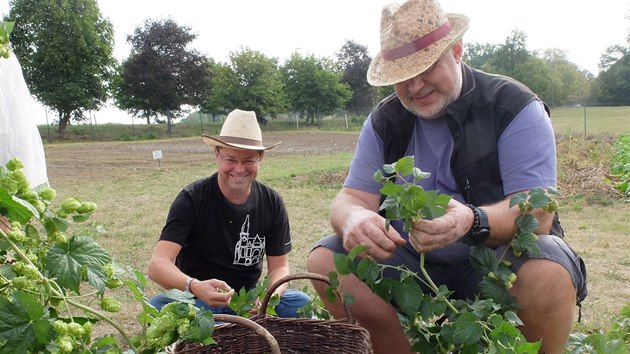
66, 51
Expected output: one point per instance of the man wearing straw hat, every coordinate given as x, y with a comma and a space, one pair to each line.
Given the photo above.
220, 229
483, 138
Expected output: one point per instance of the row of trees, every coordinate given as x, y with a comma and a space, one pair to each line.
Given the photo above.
66, 46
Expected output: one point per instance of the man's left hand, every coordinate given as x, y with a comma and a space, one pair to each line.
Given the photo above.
428, 235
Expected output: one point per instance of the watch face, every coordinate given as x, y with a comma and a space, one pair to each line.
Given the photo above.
478, 237
482, 234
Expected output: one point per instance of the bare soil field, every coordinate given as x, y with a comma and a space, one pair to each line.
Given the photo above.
96, 161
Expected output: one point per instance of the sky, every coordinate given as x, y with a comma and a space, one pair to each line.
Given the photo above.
278, 28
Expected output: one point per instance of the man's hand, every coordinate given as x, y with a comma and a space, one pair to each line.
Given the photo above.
428, 235
367, 228
213, 292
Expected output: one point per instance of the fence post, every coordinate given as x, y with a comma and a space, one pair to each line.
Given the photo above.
585, 121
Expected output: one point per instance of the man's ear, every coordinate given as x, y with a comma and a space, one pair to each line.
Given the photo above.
458, 50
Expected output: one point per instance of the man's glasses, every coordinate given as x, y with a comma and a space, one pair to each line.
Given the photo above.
233, 162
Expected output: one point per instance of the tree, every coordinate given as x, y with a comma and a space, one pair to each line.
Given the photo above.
65, 49
534, 73
477, 55
614, 84
314, 86
161, 75
508, 57
570, 85
354, 60
612, 55
250, 82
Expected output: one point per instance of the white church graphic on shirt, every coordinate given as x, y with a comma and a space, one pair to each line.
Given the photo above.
249, 249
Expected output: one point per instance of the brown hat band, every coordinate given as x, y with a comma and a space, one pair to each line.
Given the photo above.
240, 141
418, 44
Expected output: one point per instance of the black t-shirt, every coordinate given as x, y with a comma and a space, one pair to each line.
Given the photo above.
223, 240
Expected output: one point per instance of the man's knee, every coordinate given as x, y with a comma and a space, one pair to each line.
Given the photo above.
320, 259
542, 276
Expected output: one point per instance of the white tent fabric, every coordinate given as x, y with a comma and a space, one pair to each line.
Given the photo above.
19, 136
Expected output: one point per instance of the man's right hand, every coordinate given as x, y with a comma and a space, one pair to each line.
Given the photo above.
354, 217
367, 228
213, 292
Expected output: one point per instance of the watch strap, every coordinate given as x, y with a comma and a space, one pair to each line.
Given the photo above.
187, 284
475, 223
480, 228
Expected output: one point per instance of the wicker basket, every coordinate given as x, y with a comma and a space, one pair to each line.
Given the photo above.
293, 335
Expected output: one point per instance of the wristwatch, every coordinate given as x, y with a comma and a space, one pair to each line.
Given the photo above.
480, 229
187, 284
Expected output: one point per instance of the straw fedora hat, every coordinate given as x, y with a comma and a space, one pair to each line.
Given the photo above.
239, 131
414, 35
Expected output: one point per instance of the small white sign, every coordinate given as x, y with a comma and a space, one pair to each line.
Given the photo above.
157, 154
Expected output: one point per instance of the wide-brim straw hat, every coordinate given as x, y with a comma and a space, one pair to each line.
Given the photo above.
239, 131
414, 35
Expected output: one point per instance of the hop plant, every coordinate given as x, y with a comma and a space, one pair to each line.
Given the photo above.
5, 29
110, 304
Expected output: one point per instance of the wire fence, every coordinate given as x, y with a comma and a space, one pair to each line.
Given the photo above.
566, 121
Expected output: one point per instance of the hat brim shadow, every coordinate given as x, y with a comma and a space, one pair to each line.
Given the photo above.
214, 141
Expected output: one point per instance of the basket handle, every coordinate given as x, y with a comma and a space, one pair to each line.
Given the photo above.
260, 330
312, 276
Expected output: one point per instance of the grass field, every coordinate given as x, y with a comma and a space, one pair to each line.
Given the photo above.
591, 120
134, 191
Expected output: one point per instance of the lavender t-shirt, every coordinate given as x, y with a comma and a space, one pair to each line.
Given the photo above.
526, 152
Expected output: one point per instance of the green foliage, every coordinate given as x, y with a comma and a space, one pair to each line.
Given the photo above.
177, 321
48, 276
434, 322
614, 341
250, 81
408, 202
314, 86
614, 80
161, 75
41, 266
354, 60
556, 80
620, 169
314, 308
246, 302
5, 30
65, 49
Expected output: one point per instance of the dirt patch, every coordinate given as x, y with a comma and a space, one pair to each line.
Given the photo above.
98, 160
582, 165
